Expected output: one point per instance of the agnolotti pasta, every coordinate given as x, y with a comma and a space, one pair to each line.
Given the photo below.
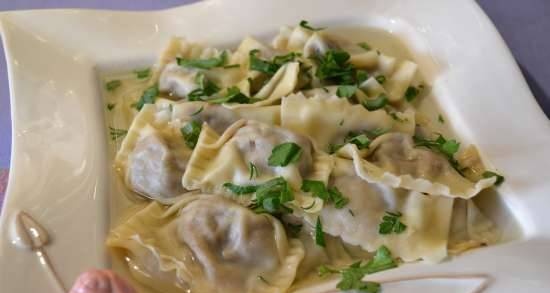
274, 168
171, 251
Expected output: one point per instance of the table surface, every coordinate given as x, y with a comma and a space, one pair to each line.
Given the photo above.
524, 25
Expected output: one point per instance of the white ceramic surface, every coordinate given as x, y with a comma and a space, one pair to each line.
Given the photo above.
60, 169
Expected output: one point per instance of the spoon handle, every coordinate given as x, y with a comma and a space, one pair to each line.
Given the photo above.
45, 262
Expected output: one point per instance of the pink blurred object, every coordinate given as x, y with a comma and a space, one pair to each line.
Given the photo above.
101, 281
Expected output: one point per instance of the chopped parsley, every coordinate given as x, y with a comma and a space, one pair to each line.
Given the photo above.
253, 171
352, 276
284, 154
269, 67
362, 141
397, 118
440, 119
334, 67
391, 224
117, 133
376, 103
142, 73
261, 278
365, 46
206, 88
489, 174
191, 132
110, 106
306, 25
233, 95
148, 97
232, 66
204, 63
381, 79
346, 91
240, 189
411, 93
319, 235
332, 194
112, 85
197, 112
271, 197
446, 147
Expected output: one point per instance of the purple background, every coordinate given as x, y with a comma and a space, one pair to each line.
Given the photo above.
525, 26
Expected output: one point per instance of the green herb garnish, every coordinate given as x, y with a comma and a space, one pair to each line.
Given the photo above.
364, 46
206, 88
334, 66
110, 106
261, 278
332, 194
361, 141
411, 93
319, 234
253, 171
191, 132
284, 154
269, 67
446, 147
306, 25
197, 112
489, 174
440, 119
352, 276
204, 63
271, 197
231, 66
381, 79
233, 95
346, 91
117, 133
391, 223
376, 103
112, 85
148, 97
142, 73
240, 189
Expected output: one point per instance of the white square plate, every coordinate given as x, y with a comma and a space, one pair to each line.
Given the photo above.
60, 170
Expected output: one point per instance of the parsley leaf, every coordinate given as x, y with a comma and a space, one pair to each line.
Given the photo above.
346, 91
376, 103
352, 276
271, 197
232, 66
390, 223
148, 97
489, 174
191, 132
334, 66
206, 88
332, 194
204, 63
381, 79
142, 73
446, 147
117, 133
269, 67
112, 85
364, 46
233, 95
440, 119
382, 261
253, 170
240, 189
411, 93
361, 141
110, 106
284, 154
319, 235
198, 111
306, 25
